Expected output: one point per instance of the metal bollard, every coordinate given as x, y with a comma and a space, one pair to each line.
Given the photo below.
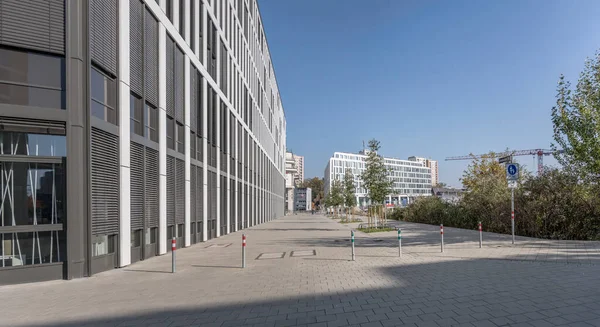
173, 248
480, 235
399, 242
352, 240
243, 250
442, 233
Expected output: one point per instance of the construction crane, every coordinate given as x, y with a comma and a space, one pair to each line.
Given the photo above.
540, 153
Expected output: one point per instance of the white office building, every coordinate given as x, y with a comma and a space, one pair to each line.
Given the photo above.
410, 178
433, 164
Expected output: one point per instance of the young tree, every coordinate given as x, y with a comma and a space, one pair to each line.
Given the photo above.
576, 120
335, 197
375, 176
349, 191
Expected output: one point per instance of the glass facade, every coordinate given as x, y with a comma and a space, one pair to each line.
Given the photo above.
32, 193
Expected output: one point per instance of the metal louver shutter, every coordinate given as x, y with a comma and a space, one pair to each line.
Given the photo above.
170, 99
136, 46
180, 191
170, 191
151, 58
37, 25
178, 75
105, 182
103, 33
193, 99
152, 188
193, 187
137, 186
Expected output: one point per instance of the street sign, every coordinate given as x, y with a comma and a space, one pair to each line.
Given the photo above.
512, 184
512, 172
503, 160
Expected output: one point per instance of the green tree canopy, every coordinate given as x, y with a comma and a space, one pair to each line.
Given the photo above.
349, 189
375, 176
576, 120
316, 186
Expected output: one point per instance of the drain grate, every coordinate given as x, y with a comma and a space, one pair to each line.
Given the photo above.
303, 253
219, 245
271, 255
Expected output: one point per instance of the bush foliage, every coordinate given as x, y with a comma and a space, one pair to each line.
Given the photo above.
555, 205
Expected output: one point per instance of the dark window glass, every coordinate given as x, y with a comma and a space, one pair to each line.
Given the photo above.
136, 112
34, 193
12, 143
180, 230
193, 25
169, 5
170, 133
136, 238
180, 138
32, 79
104, 97
151, 123
182, 18
21, 249
199, 146
193, 145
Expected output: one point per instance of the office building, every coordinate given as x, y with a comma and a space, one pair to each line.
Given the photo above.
433, 164
302, 199
124, 124
410, 179
300, 166
290, 181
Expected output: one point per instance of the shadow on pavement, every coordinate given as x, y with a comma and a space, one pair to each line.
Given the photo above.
445, 293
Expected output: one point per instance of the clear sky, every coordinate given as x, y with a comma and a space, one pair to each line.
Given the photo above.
426, 78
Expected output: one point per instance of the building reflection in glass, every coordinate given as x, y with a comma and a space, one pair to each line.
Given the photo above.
32, 193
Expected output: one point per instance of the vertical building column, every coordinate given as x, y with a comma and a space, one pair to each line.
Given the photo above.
162, 138
78, 138
187, 118
205, 209
124, 137
227, 136
237, 174
186, 23
218, 140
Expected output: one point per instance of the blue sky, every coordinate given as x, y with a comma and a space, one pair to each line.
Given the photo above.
426, 78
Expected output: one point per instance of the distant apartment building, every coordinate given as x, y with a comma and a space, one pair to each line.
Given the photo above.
302, 199
300, 166
291, 173
433, 164
410, 178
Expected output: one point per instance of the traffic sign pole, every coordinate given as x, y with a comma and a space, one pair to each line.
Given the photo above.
512, 213
399, 242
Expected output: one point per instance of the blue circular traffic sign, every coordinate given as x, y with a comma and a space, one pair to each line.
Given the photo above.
512, 169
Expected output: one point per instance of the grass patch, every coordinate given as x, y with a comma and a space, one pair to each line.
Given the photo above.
349, 221
375, 230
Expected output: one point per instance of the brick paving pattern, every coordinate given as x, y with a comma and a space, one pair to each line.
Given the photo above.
531, 283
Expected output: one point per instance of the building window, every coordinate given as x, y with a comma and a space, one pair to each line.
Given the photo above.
180, 138
193, 145
193, 25
136, 238
151, 235
169, 5
32, 79
182, 18
136, 112
104, 97
103, 245
151, 123
170, 133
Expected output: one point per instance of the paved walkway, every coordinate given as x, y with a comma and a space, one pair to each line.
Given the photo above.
535, 283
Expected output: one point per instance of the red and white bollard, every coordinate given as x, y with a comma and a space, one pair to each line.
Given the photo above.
480, 235
442, 234
173, 248
243, 250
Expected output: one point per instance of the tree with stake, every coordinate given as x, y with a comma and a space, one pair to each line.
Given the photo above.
375, 178
349, 191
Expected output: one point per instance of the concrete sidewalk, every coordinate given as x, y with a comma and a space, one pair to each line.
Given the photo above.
299, 273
